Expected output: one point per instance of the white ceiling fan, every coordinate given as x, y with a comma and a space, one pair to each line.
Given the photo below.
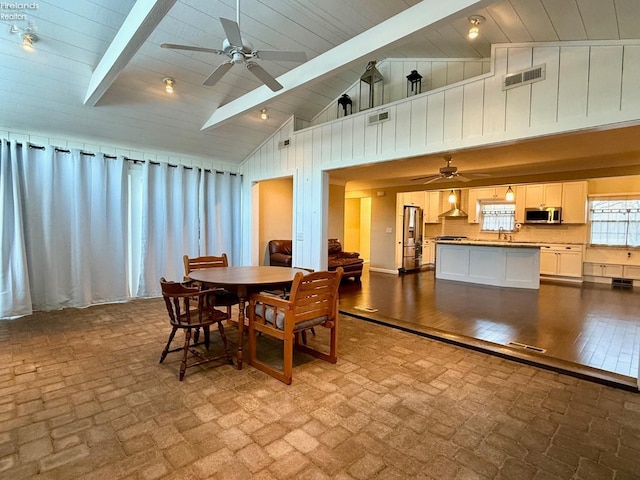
241, 52
450, 173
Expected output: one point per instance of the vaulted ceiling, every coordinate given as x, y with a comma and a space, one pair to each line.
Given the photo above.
43, 91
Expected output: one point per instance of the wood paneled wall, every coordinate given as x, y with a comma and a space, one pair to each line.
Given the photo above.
436, 73
587, 84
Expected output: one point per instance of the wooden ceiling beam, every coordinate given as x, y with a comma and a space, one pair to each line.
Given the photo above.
144, 17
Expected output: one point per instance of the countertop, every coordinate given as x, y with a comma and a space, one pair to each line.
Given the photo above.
491, 243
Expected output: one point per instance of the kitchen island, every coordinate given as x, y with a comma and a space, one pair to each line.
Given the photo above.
501, 263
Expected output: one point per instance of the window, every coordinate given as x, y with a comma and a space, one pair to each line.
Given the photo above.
615, 221
497, 216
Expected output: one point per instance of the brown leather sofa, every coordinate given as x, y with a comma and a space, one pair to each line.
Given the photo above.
280, 253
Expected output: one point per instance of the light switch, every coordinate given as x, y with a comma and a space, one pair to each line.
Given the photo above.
389, 230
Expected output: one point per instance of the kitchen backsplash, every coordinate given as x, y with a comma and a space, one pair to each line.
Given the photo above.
527, 233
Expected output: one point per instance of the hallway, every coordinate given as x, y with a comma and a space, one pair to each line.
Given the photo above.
590, 330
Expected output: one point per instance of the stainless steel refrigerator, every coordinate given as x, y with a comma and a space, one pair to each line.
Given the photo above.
412, 238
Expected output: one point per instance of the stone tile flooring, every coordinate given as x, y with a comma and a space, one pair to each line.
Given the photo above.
82, 396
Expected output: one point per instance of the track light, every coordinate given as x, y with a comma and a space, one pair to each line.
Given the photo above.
475, 20
263, 114
169, 83
509, 196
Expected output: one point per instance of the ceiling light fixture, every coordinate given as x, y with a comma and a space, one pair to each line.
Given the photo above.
28, 39
475, 20
263, 114
452, 197
169, 83
509, 196
27, 35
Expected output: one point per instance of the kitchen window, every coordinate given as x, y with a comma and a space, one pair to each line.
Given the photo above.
498, 216
615, 221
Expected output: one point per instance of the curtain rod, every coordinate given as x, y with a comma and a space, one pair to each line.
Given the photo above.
134, 160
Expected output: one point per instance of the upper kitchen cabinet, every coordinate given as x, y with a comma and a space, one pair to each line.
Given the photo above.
489, 193
428, 201
415, 199
493, 194
574, 202
543, 195
431, 206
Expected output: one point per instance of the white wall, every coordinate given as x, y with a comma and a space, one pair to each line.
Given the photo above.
587, 85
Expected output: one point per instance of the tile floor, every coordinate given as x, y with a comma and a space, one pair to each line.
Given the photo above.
82, 396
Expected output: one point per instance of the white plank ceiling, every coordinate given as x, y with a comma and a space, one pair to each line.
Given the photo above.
43, 91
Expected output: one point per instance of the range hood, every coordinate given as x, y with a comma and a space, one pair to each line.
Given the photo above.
456, 211
453, 213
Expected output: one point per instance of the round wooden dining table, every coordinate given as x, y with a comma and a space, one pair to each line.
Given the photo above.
243, 281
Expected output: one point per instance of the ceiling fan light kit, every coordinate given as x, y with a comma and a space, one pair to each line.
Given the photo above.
240, 52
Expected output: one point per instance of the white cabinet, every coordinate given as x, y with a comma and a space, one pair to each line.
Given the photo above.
561, 260
631, 271
603, 270
492, 193
473, 209
410, 198
429, 252
543, 195
431, 206
574, 202
520, 194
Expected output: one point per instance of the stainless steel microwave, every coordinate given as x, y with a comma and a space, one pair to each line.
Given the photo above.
543, 215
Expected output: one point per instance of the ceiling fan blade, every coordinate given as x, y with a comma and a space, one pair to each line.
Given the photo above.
264, 76
435, 179
280, 55
232, 31
462, 178
217, 74
173, 46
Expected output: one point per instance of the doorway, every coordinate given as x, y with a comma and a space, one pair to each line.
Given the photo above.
357, 226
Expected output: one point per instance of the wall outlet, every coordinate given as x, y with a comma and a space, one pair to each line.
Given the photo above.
388, 230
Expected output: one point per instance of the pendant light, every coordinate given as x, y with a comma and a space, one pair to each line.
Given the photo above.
509, 196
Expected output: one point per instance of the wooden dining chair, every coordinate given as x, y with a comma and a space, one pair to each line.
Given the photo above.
220, 296
189, 310
313, 301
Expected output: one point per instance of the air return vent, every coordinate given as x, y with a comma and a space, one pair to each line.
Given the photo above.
523, 77
284, 143
378, 117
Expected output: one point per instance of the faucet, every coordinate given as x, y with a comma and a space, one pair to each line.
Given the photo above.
500, 230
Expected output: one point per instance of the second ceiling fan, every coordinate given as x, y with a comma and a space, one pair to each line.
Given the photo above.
450, 173
241, 52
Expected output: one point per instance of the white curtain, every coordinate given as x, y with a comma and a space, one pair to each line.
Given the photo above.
220, 210
15, 295
79, 229
74, 210
169, 227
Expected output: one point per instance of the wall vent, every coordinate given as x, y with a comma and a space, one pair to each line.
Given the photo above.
524, 77
284, 143
378, 117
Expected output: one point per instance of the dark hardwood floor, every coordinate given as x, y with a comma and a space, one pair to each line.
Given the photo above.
589, 329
